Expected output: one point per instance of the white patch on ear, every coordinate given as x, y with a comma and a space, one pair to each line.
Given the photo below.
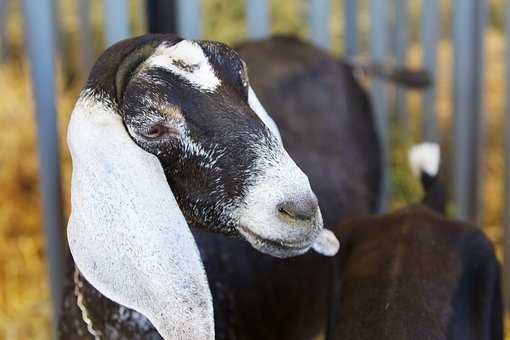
255, 105
187, 60
126, 232
425, 158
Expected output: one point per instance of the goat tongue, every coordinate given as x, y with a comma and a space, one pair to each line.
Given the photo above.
326, 244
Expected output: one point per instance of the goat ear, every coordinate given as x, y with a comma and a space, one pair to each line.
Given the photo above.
128, 67
126, 232
114, 68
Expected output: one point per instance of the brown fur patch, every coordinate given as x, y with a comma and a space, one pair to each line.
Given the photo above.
171, 111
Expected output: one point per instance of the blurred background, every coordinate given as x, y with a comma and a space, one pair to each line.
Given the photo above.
48, 46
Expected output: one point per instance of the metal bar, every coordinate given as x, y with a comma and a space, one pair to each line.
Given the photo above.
506, 246
4, 11
116, 21
430, 38
319, 22
351, 27
62, 47
462, 90
189, 18
469, 23
401, 45
258, 19
86, 37
162, 16
480, 13
378, 37
40, 37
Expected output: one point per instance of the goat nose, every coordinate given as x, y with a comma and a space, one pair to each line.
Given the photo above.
300, 208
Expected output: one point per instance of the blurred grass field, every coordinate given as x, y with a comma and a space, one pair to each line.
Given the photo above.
24, 298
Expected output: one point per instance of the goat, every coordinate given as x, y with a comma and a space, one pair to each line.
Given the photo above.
415, 274
326, 122
166, 130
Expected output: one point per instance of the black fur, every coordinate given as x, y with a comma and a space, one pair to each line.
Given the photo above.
436, 195
221, 124
414, 274
228, 132
415, 79
102, 81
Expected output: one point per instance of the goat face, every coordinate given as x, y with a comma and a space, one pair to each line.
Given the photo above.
190, 104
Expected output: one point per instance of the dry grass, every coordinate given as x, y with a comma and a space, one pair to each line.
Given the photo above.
24, 299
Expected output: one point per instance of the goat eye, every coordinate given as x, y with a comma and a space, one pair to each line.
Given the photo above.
154, 131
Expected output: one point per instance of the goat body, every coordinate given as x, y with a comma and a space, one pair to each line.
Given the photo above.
414, 274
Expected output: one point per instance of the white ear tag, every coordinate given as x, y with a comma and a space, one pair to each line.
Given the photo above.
326, 244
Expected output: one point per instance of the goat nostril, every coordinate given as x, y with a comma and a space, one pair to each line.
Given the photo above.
284, 211
299, 209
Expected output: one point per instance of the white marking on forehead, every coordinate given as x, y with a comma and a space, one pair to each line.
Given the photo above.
257, 107
187, 60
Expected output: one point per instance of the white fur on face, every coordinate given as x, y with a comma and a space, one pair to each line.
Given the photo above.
187, 60
257, 107
263, 225
126, 232
425, 158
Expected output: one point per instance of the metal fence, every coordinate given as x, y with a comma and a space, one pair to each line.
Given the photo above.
469, 19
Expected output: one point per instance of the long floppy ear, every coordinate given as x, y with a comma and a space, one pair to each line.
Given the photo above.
126, 233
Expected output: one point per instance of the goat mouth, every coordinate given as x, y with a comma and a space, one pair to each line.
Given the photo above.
279, 247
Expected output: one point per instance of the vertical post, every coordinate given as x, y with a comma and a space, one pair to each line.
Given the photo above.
86, 38
4, 10
401, 39
140, 11
319, 22
40, 37
378, 37
258, 18
189, 19
462, 56
469, 23
506, 249
62, 46
480, 14
116, 20
430, 38
162, 16
351, 27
